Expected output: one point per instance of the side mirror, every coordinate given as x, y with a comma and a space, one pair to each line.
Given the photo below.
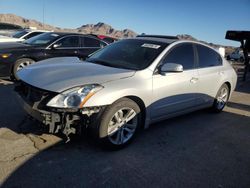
171, 67
55, 46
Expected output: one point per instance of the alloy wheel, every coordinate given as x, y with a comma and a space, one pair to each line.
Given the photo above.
122, 126
222, 98
24, 64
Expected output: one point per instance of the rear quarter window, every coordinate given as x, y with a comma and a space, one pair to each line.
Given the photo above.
91, 42
208, 57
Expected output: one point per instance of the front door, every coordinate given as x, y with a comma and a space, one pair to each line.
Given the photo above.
175, 91
65, 47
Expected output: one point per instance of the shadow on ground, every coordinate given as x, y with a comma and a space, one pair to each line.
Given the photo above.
241, 87
239, 106
196, 150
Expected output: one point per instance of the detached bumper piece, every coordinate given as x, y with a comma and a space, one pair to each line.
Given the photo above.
66, 121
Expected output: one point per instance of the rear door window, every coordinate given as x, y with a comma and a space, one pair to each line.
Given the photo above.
69, 42
182, 54
91, 42
208, 57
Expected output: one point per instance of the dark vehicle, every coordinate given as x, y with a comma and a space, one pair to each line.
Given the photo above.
107, 39
15, 56
244, 38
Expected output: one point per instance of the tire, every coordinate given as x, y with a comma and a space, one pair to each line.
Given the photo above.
112, 130
20, 64
221, 98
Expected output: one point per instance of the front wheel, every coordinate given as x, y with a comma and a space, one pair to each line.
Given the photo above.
118, 124
20, 64
221, 98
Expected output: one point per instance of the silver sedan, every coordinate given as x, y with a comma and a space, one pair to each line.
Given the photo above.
126, 86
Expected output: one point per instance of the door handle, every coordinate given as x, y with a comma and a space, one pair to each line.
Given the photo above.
194, 80
75, 52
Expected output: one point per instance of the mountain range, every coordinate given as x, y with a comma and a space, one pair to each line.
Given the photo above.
99, 28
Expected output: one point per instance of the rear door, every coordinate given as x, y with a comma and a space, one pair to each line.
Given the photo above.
89, 45
66, 46
210, 73
176, 92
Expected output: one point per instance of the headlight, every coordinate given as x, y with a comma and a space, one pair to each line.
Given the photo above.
75, 97
5, 56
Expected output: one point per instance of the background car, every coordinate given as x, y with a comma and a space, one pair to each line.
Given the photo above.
236, 55
15, 56
107, 39
22, 35
127, 86
7, 29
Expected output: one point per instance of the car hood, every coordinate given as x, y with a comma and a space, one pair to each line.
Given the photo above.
60, 74
13, 45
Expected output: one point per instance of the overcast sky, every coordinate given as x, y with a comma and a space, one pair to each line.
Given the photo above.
206, 20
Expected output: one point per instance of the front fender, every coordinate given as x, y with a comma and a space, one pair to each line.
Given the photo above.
115, 90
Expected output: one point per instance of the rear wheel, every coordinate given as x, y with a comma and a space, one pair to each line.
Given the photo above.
20, 64
221, 98
118, 124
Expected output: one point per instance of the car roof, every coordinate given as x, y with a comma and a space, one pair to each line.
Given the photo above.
61, 34
158, 38
45, 31
35, 30
171, 39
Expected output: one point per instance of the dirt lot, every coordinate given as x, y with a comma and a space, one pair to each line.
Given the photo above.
201, 149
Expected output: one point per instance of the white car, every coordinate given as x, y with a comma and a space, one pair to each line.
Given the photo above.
21, 35
126, 86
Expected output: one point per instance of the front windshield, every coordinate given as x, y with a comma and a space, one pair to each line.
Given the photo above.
135, 54
42, 39
19, 34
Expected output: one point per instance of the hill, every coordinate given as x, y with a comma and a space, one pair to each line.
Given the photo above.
99, 28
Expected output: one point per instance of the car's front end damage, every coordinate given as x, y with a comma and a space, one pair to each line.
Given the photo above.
67, 120
66, 94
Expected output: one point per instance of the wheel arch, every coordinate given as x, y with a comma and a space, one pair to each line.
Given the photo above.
22, 57
141, 105
229, 87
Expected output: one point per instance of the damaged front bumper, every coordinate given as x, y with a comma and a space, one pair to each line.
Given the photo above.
66, 121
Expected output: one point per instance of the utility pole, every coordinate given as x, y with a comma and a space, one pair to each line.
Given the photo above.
43, 12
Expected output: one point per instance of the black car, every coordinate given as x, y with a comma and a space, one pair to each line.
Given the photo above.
15, 56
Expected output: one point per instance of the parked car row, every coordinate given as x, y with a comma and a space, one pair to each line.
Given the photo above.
7, 29
16, 55
119, 89
21, 35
